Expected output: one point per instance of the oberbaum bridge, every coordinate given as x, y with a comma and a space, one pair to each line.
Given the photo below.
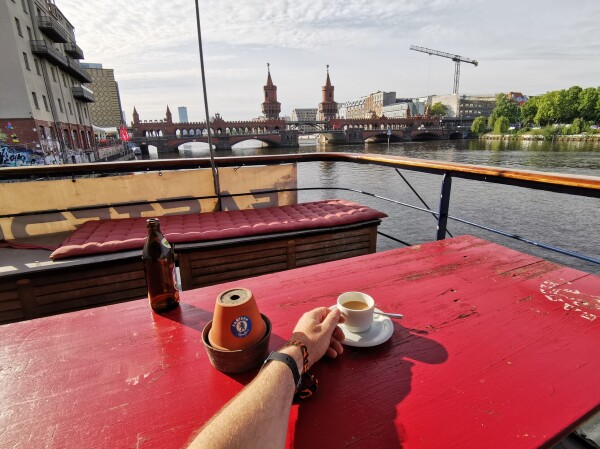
167, 136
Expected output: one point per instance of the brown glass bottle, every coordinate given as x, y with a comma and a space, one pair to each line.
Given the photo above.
159, 265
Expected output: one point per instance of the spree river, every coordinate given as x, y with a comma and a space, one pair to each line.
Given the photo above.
565, 221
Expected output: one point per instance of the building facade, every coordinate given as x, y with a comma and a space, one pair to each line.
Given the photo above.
305, 115
106, 110
369, 106
44, 105
465, 106
183, 115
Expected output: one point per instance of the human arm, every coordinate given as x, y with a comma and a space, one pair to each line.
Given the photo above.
258, 416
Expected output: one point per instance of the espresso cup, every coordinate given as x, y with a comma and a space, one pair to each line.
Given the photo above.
358, 310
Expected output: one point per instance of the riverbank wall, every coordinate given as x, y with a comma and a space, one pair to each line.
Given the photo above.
533, 137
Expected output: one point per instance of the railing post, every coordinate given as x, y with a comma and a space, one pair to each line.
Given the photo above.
444, 206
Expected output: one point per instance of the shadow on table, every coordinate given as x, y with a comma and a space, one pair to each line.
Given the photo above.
358, 393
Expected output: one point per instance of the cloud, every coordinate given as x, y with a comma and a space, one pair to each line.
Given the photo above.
152, 46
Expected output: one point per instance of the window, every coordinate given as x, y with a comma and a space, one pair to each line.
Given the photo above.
64, 80
45, 102
85, 111
60, 105
37, 66
70, 108
26, 61
53, 70
18, 23
24, 7
35, 102
29, 34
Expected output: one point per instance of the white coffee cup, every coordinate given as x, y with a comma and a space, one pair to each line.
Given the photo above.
358, 310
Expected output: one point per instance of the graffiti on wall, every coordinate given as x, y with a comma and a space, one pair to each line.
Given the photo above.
17, 156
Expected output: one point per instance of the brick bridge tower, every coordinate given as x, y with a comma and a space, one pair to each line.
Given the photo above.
271, 107
328, 107
169, 115
136, 116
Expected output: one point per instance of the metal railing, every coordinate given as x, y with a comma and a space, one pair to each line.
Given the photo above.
569, 184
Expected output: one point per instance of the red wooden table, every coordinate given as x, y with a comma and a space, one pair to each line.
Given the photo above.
497, 349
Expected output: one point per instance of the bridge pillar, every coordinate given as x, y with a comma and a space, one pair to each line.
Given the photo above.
222, 143
289, 138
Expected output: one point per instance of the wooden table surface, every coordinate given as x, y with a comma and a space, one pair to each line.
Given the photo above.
497, 349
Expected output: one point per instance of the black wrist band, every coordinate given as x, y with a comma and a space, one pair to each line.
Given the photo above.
289, 361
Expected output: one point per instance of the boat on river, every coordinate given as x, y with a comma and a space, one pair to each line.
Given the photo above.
46, 205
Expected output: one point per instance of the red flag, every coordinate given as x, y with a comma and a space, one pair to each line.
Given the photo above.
124, 134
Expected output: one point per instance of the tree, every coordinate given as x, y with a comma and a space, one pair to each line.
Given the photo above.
438, 109
501, 125
587, 106
479, 125
506, 107
529, 110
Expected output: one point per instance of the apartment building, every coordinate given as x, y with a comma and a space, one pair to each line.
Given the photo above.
43, 104
465, 106
106, 110
369, 106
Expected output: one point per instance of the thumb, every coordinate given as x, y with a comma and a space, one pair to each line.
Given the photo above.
331, 320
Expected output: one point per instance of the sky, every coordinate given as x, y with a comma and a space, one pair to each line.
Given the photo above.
529, 46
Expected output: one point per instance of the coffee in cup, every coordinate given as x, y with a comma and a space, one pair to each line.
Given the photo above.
358, 310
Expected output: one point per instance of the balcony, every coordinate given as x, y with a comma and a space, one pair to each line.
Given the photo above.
83, 93
46, 50
76, 71
54, 30
72, 49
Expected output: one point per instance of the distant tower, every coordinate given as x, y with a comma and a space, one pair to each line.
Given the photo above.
271, 107
328, 107
136, 116
183, 115
169, 115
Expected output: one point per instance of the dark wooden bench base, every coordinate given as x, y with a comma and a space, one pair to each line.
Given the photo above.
209, 263
74, 285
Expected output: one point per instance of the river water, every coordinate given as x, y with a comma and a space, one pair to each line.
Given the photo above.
552, 218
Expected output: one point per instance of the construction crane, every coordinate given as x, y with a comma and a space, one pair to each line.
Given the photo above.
456, 58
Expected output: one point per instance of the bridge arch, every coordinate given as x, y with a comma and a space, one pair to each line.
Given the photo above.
425, 135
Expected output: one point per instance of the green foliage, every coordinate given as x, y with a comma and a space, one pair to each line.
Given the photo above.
438, 109
529, 110
589, 101
2, 136
505, 107
479, 125
550, 132
563, 106
501, 125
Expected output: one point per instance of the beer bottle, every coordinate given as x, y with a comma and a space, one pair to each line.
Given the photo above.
159, 266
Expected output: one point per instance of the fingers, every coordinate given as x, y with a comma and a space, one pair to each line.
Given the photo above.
331, 320
338, 334
336, 345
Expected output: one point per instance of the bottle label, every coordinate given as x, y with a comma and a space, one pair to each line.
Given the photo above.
241, 326
165, 243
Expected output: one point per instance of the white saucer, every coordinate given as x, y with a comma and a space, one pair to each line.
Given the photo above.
380, 331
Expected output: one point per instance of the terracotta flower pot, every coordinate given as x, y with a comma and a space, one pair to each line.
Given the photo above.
240, 360
237, 323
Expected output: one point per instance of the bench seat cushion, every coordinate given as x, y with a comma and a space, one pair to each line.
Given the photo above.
106, 236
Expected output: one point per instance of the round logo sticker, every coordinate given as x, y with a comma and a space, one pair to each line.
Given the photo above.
241, 326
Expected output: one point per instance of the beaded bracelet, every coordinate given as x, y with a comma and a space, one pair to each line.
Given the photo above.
304, 350
308, 381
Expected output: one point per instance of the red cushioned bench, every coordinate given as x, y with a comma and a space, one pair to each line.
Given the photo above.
99, 263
